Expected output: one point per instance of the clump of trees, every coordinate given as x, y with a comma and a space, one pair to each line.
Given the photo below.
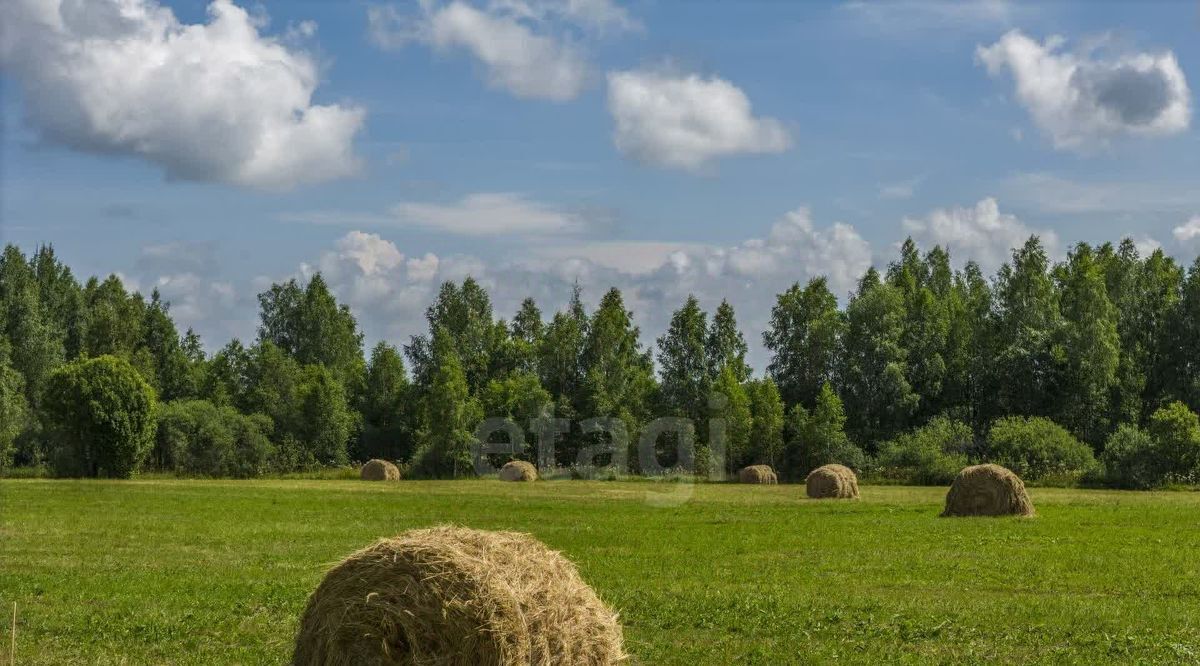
1088, 368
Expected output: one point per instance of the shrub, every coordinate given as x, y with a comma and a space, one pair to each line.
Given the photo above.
100, 417
1175, 430
198, 438
1130, 459
930, 455
1035, 448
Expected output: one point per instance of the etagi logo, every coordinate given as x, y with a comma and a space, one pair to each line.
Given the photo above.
608, 438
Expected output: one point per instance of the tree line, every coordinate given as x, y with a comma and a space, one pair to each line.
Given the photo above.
1088, 368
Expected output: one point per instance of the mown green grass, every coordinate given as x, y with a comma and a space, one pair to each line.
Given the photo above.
189, 572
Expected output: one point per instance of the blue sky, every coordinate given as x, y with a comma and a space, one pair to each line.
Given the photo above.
664, 147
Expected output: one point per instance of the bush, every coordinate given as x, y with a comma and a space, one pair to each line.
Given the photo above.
100, 418
198, 438
1130, 459
1036, 448
1175, 431
931, 455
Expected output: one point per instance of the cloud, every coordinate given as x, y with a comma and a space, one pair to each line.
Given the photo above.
981, 233
479, 214
1082, 101
685, 121
633, 257
1188, 232
1053, 194
524, 46
210, 102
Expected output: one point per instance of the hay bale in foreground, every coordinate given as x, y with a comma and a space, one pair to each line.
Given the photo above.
379, 470
758, 474
453, 595
987, 490
832, 482
518, 470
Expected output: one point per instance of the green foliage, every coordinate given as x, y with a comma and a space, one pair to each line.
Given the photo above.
1037, 447
685, 380
451, 414
1091, 344
198, 438
731, 403
387, 428
1175, 430
100, 418
819, 438
766, 433
1129, 459
725, 344
875, 364
804, 336
14, 411
930, 455
311, 327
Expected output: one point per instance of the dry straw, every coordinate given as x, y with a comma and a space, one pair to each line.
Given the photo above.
518, 470
457, 596
379, 470
832, 482
987, 490
758, 474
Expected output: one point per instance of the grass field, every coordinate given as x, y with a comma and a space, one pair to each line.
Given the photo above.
183, 572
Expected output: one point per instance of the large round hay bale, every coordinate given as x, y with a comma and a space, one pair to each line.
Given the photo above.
758, 474
832, 482
379, 470
518, 470
453, 595
987, 490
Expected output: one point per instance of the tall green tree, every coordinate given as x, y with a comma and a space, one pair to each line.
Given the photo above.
766, 433
685, 377
1183, 345
804, 339
465, 312
732, 404
1090, 344
875, 365
309, 325
387, 430
14, 411
725, 344
447, 433
618, 374
1028, 359
35, 349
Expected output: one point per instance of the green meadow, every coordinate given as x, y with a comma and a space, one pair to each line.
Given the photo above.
190, 572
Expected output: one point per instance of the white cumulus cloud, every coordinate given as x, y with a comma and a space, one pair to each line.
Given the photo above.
685, 121
525, 47
1188, 232
1082, 100
981, 233
216, 101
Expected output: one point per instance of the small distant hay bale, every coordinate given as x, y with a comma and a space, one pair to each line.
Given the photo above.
518, 470
457, 596
379, 470
832, 482
987, 490
758, 474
